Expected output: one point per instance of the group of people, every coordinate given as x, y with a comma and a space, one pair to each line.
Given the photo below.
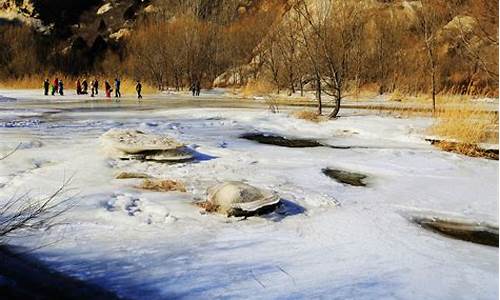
195, 88
57, 86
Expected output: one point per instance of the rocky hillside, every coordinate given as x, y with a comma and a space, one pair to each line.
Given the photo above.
88, 28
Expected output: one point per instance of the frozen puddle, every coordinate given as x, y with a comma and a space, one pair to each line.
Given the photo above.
269, 139
467, 230
346, 177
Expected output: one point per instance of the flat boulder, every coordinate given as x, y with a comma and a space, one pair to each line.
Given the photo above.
237, 199
135, 144
136, 141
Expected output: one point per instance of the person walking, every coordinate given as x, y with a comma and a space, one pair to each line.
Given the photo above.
198, 88
78, 87
117, 88
193, 88
46, 85
85, 87
138, 88
107, 88
96, 85
55, 85
61, 88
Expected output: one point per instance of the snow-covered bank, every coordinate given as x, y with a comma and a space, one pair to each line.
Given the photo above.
329, 241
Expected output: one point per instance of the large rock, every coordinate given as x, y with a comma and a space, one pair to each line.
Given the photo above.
135, 144
235, 198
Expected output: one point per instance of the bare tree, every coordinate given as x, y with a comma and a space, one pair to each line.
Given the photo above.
430, 21
337, 29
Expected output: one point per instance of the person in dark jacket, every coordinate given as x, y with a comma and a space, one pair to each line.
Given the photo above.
61, 88
138, 88
193, 89
96, 83
46, 86
198, 88
118, 94
78, 87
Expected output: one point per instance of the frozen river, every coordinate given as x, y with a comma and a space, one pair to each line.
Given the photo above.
329, 240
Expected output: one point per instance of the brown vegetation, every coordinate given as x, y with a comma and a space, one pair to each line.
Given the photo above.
467, 124
162, 185
131, 175
308, 115
334, 47
467, 149
427, 46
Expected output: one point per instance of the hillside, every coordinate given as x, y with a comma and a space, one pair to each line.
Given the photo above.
393, 37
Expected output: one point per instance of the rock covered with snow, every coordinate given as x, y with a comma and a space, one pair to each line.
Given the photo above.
240, 199
135, 144
136, 141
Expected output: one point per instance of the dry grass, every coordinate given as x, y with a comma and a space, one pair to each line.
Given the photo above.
128, 87
131, 175
258, 88
208, 206
308, 115
367, 91
466, 149
36, 82
466, 124
162, 185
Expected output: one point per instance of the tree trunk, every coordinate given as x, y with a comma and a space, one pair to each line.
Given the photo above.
318, 95
335, 111
433, 90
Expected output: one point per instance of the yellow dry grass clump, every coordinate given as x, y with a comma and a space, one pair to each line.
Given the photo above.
467, 124
162, 185
308, 115
471, 150
128, 87
257, 88
36, 82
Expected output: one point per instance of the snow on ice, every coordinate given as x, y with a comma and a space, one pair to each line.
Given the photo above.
330, 240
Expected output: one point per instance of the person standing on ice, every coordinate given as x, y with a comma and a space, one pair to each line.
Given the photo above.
198, 88
55, 85
96, 86
93, 85
108, 89
78, 87
61, 88
193, 89
46, 85
85, 87
138, 88
117, 88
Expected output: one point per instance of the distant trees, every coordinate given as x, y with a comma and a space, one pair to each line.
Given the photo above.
18, 52
336, 46
181, 48
320, 44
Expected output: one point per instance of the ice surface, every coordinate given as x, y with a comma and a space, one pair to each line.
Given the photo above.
332, 240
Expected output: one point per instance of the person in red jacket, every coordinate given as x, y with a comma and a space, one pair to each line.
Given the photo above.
55, 86
108, 88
